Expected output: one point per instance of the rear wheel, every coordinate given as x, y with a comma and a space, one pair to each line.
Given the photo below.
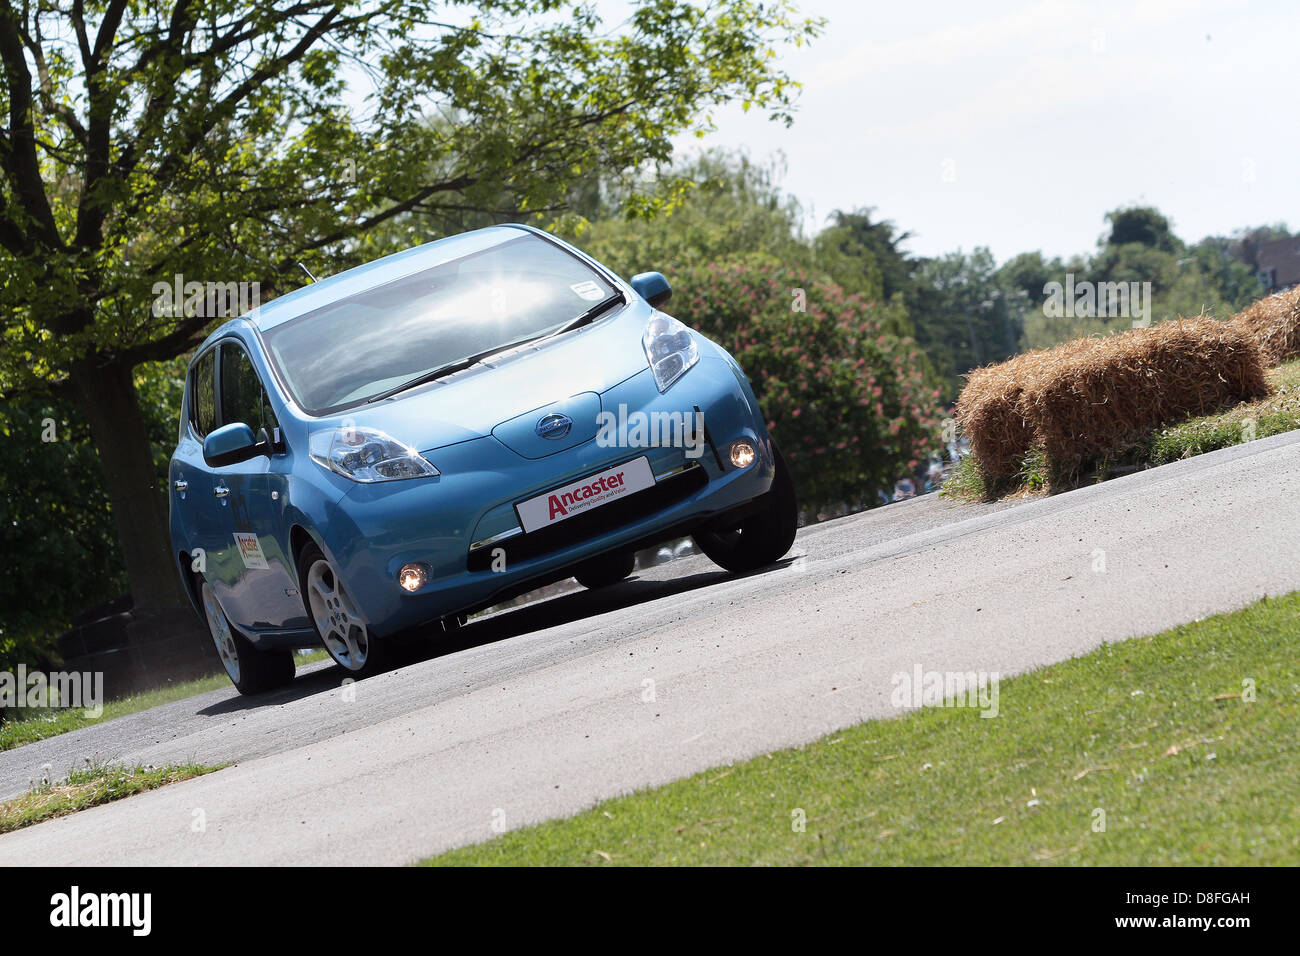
762, 538
338, 621
606, 570
252, 671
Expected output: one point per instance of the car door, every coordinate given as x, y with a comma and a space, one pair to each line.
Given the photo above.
251, 571
196, 509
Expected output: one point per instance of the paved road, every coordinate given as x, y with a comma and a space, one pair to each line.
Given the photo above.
539, 712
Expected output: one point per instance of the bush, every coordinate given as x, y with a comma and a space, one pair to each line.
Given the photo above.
846, 401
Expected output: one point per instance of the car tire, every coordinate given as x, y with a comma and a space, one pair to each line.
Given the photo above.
251, 670
762, 538
343, 630
606, 570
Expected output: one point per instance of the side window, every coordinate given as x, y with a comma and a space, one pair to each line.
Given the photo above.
242, 397
203, 402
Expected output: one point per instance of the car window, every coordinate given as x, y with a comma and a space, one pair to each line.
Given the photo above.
203, 405
242, 397
391, 333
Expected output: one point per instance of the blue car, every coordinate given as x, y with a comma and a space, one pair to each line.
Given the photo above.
392, 448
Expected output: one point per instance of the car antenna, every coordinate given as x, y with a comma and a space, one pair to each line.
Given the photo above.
308, 271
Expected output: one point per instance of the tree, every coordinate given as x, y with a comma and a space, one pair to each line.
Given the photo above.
965, 314
712, 207
1144, 225
223, 141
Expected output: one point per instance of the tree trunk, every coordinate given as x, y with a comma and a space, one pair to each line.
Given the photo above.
106, 395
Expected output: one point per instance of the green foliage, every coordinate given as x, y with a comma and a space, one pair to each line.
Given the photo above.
56, 536
856, 236
1213, 277
1143, 225
965, 316
220, 140
715, 206
57, 540
91, 786
846, 401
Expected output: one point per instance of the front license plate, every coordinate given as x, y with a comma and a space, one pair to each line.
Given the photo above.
579, 497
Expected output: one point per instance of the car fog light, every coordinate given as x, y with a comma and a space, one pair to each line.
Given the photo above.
742, 454
412, 577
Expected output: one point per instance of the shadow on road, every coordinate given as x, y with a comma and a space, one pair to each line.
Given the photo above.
428, 644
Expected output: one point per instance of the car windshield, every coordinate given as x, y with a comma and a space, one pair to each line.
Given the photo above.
366, 344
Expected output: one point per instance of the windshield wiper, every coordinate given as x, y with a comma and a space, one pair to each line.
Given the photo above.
451, 367
604, 305
461, 364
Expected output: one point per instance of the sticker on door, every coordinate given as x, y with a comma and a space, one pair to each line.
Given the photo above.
250, 549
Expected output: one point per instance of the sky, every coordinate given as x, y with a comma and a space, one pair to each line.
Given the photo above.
1019, 125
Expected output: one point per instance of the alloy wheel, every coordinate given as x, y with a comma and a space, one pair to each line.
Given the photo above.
219, 628
340, 624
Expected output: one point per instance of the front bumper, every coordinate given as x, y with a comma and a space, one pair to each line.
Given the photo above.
462, 525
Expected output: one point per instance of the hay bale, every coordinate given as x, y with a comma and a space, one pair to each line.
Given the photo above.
1103, 399
1095, 396
989, 411
1274, 323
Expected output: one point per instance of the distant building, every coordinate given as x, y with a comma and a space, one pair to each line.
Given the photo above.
1278, 263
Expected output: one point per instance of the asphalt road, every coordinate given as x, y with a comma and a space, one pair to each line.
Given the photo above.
542, 711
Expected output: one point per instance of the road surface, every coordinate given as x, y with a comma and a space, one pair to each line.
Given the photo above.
542, 711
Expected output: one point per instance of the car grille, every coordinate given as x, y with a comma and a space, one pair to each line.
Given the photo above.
598, 521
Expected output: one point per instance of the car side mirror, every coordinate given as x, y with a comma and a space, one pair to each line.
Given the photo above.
231, 444
653, 287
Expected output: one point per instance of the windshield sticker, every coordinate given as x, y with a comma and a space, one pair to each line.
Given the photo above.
250, 549
588, 290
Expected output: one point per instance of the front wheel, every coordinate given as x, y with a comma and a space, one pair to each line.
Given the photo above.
252, 671
763, 537
338, 621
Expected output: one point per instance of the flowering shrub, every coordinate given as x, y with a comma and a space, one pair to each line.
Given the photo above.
846, 402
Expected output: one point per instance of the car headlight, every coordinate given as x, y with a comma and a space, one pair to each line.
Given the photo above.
669, 348
366, 455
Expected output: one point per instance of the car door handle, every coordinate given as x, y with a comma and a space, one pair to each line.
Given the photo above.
221, 491
180, 484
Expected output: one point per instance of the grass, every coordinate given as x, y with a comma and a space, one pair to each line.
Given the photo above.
89, 787
31, 726
1278, 413
1157, 733
965, 483
1245, 422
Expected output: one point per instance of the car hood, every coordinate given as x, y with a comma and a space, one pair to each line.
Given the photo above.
472, 403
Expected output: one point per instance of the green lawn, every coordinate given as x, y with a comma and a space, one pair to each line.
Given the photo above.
1153, 731
89, 787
